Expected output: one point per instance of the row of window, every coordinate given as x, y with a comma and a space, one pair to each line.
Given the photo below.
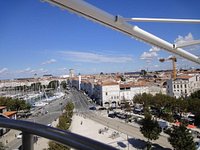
180, 90
181, 86
114, 97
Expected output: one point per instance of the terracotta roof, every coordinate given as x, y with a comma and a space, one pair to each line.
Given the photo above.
2, 107
9, 113
125, 85
184, 77
108, 83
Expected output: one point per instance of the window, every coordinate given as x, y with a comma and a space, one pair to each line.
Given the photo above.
174, 86
185, 86
106, 93
177, 86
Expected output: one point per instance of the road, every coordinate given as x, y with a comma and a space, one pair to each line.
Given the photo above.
54, 111
82, 106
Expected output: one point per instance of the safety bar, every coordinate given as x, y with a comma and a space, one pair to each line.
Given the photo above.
64, 137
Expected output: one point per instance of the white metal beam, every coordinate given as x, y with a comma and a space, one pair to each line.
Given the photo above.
188, 43
88, 11
164, 20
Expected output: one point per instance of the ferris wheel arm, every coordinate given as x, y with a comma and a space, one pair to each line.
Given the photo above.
162, 20
117, 23
188, 43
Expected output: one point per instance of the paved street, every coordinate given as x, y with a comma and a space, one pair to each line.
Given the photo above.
81, 105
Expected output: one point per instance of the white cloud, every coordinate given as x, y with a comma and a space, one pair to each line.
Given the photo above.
95, 58
3, 70
148, 55
185, 39
24, 70
62, 69
154, 49
51, 61
28, 69
31, 71
156, 66
182, 39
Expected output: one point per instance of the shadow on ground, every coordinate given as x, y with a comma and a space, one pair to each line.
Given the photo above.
141, 144
121, 144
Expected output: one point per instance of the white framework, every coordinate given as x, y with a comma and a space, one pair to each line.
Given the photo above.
118, 23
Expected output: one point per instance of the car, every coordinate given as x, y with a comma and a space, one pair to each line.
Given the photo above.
102, 108
19, 136
111, 115
93, 108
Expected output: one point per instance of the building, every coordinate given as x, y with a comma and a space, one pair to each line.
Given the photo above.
111, 91
183, 85
107, 93
6, 114
11, 114
71, 73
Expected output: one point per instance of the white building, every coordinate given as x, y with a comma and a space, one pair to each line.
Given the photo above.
127, 92
71, 73
183, 85
107, 93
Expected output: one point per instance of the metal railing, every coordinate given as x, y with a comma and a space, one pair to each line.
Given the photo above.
64, 137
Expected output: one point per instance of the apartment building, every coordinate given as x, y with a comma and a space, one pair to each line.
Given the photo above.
183, 85
107, 93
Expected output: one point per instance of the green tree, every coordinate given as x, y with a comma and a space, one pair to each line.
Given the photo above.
195, 94
64, 84
64, 124
53, 84
180, 138
150, 129
56, 146
14, 104
143, 99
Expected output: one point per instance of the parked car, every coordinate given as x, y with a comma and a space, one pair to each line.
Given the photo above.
93, 108
111, 115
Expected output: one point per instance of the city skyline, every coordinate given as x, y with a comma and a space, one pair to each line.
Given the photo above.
37, 38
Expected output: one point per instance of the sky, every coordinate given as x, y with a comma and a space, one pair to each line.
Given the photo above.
37, 38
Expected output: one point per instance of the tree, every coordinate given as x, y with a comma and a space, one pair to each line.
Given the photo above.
14, 104
180, 138
195, 94
64, 124
64, 84
57, 146
53, 84
150, 129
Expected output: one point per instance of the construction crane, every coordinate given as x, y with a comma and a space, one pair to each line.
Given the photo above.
174, 60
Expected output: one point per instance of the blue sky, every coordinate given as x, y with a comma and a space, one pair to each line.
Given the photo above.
38, 38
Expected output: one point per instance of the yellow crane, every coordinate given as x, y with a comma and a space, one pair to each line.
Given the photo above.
174, 60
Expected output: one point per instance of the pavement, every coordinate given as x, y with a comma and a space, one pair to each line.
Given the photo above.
9, 137
42, 143
86, 127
